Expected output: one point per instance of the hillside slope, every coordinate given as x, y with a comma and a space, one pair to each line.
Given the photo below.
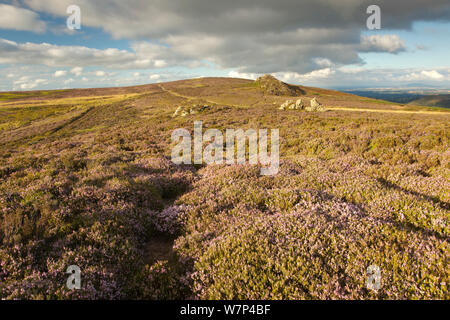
441, 101
86, 178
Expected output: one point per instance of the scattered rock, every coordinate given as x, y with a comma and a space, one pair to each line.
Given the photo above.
315, 103
299, 104
195, 109
272, 86
286, 105
315, 106
292, 105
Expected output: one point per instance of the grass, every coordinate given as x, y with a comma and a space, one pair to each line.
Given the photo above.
7, 96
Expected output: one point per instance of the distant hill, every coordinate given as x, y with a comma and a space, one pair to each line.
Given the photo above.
272, 86
397, 97
410, 97
88, 176
441, 100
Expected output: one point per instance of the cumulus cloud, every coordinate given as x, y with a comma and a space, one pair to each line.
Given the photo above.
312, 76
433, 74
306, 41
423, 75
25, 83
74, 56
16, 18
382, 43
251, 36
154, 77
346, 77
77, 71
236, 74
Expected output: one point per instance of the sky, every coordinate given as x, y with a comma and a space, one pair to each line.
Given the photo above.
323, 43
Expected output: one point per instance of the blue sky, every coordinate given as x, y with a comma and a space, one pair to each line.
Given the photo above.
153, 41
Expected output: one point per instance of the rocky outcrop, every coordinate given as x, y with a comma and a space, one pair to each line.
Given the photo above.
315, 106
185, 111
272, 86
292, 105
180, 110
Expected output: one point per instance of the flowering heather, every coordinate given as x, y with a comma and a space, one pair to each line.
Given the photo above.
97, 189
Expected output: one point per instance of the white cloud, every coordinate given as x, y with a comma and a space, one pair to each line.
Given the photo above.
60, 73
307, 77
77, 71
433, 74
382, 43
423, 75
160, 63
236, 74
16, 18
303, 42
322, 62
247, 36
100, 73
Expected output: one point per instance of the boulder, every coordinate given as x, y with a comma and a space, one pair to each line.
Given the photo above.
315, 106
287, 103
292, 105
315, 103
272, 86
195, 109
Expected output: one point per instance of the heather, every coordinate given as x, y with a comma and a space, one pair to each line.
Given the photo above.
87, 180
289, 239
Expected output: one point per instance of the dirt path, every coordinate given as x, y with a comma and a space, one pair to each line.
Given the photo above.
158, 248
189, 98
387, 111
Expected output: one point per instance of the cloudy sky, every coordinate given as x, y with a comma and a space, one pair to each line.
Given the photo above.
322, 43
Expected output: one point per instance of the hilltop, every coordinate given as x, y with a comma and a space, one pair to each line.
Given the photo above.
272, 86
227, 91
86, 177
